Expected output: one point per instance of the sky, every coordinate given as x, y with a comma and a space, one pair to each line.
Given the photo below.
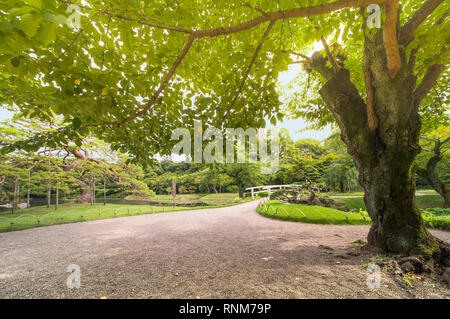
4, 114
297, 128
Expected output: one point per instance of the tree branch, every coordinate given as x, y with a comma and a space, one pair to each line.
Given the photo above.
298, 54
318, 63
428, 81
67, 47
286, 14
248, 5
125, 18
166, 80
407, 30
390, 38
343, 99
255, 54
394, 62
330, 56
300, 62
372, 118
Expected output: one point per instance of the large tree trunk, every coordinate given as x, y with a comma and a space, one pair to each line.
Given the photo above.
382, 137
86, 193
389, 197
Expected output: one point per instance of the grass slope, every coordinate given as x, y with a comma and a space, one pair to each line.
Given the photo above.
311, 214
219, 199
420, 191
425, 201
71, 213
324, 215
210, 199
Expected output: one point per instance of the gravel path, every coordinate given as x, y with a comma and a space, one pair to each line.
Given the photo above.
212, 253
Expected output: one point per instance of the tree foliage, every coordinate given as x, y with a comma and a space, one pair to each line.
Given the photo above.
132, 72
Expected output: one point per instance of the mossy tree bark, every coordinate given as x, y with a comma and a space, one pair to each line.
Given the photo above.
86, 192
382, 135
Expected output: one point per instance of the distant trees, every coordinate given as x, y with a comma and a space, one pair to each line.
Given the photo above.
12, 175
324, 164
91, 169
244, 175
309, 145
341, 175
65, 168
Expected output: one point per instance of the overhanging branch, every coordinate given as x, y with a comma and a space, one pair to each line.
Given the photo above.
255, 54
428, 81
407, 30
390, 38
166, 80
126, 18
390, 35
330, 56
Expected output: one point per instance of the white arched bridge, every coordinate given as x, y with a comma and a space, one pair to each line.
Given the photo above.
268, 188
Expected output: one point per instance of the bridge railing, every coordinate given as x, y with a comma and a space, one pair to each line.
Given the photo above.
268, 188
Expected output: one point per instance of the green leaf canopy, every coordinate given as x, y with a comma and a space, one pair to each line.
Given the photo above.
132, 71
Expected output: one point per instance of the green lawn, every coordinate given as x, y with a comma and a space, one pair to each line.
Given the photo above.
209, 199
70, 213
354, 203
344, 194
324, 215
429, 201
427, 191
218, 199
311, 214
423, 191
179, 199
426, 201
